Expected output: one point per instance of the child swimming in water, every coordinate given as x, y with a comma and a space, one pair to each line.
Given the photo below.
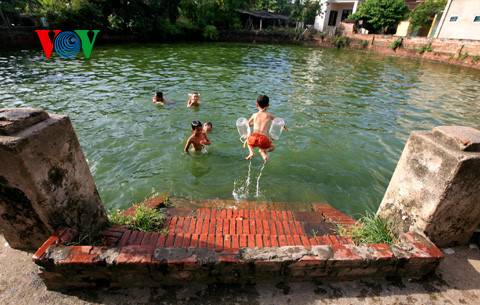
198, 139
261, 122
207, 127
158, 98
194, 100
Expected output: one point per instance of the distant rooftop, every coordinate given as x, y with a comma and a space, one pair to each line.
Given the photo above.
263, 14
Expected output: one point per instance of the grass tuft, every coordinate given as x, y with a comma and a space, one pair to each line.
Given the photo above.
370, 229
144, 219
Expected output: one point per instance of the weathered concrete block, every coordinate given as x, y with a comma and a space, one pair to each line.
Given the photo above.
45, 182
436, 184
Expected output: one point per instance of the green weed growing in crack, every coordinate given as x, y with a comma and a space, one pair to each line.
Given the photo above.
144, 219
370, 229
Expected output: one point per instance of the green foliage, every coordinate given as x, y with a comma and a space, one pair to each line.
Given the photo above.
381, 15
210, 32
219, 13
424, 48
423, 14
144, 219
475, 58
75, 14
275, 6
340, 41
86, 239
463, 56
364, 43
396, 44
305, 11
370, 229
237, 26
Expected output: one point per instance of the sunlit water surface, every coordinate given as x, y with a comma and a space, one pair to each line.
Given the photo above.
349, 115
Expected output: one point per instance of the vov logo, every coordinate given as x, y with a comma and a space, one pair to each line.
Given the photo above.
67, 44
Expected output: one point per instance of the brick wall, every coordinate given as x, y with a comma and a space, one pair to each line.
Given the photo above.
229, 246
453, 51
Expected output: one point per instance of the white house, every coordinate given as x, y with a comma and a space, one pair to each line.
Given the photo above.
460, 20
333, 12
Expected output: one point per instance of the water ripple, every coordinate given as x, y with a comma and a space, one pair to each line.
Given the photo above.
349, 115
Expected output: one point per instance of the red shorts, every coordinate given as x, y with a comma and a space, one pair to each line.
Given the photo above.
259, 140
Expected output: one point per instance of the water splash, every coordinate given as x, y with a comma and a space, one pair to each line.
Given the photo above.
240, 190
249, 170
258, 180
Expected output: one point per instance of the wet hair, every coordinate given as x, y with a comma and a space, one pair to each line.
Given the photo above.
208, 123
159, 94
262, 101
196, 124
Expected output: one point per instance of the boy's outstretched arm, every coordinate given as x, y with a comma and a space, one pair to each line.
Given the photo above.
187, 146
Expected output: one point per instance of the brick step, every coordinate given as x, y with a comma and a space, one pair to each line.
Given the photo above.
316, 213
238, 205
239, 226
220, 241
235, 244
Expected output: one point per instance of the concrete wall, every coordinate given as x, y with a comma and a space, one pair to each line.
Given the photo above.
463, 27
45, 182
402, 29
436, 185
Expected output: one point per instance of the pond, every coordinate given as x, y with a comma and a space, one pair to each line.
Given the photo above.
349, 115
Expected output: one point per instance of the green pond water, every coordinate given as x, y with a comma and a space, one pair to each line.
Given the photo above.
349, 115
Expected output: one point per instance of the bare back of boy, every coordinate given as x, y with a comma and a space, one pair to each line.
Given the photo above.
261, 123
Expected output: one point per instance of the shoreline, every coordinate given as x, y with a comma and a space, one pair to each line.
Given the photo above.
462, 53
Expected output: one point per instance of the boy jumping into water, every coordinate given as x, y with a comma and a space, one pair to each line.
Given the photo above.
198, 139
261, 122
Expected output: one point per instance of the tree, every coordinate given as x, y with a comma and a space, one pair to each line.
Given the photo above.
305, 11
422, 15
381, 15
274, 6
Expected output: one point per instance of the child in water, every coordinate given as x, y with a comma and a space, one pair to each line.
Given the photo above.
194, 100
261, 122
207, 127
158, 98
199, 137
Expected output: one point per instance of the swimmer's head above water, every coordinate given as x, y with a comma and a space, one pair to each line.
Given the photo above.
207, 126
196, 124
